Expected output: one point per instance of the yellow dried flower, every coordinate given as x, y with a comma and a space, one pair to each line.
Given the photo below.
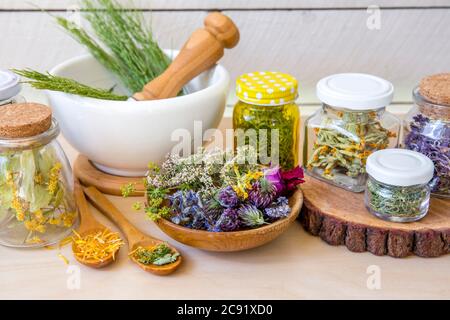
34, 240
54, 178
68, 218
39, 216
54, 221
16, 204
38, 179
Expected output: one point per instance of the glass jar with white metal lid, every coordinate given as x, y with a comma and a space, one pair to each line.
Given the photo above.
398, 185
10, 88
352, 124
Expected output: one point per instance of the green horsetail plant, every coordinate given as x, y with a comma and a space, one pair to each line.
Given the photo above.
122, 42
46, 81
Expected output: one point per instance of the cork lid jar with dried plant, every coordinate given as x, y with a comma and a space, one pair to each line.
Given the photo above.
37, 207
427, 128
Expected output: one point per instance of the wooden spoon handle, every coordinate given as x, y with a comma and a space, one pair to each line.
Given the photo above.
203, 49
87, 220
107, 208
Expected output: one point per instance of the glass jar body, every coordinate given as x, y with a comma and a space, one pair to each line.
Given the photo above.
338, 142
37, 207
427, 130
271, 130
396, 203
15, 99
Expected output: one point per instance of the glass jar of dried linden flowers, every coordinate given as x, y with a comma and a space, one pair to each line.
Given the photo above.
37, 207
397, 188
10, 88
427, 128
267, 117
352, 124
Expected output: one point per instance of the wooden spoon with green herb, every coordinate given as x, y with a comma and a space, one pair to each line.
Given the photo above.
151, 254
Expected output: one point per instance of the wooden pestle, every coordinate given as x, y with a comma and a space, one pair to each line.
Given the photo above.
203, 49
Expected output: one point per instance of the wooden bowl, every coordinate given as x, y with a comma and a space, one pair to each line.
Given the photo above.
236, 240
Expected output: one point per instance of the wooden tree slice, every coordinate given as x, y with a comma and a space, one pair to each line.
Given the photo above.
339, 217
89, 175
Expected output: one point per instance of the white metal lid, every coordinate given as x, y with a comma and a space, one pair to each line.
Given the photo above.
9, 84
400, 167
356, 91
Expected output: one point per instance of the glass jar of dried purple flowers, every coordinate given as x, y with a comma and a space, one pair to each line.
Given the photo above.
427, 128
352, 124
219, 191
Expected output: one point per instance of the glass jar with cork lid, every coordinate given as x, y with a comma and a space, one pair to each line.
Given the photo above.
266, 117
427, 128
37, 207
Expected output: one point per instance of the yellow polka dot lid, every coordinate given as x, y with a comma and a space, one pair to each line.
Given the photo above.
266, 88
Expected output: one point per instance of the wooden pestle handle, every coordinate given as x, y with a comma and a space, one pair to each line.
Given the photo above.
203, 49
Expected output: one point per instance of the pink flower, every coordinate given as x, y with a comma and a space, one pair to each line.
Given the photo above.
273, 175
284, 181
292, 178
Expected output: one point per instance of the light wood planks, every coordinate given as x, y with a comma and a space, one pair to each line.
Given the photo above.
309, 44
229, 4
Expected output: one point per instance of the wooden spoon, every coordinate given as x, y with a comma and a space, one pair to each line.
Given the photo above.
89, 226
203, 49
135, 237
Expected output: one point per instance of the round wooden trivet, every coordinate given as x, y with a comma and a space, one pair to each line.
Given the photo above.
339, 217
24, 120
89, 175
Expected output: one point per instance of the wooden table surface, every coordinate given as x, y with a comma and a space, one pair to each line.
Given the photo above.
295, 266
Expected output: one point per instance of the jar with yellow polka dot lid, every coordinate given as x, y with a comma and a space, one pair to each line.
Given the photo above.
266, 117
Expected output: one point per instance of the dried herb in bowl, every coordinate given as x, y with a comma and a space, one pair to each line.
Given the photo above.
219, 191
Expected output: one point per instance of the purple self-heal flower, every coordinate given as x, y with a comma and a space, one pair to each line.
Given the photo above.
228, 221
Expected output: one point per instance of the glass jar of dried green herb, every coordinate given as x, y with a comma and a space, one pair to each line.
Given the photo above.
352, 124
267, 117
398, 185
9, 88
37, 207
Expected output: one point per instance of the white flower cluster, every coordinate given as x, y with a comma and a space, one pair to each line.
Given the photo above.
204, 171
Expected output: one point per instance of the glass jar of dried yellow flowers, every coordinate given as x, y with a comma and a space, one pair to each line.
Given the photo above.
37, 207
352, 124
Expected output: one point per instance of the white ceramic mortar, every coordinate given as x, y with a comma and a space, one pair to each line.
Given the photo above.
122, 137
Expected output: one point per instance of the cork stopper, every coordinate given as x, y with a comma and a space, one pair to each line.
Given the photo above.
436, 88
24, 120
